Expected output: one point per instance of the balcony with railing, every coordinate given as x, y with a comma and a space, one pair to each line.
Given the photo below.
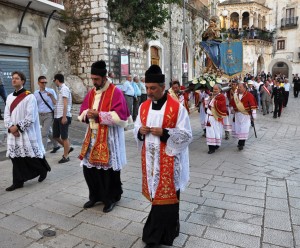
248, 35
287, 23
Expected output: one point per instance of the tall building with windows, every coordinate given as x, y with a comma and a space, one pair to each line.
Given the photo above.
285, 17
269, 30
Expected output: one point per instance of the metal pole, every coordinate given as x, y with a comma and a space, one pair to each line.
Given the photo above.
184, 47
171, 48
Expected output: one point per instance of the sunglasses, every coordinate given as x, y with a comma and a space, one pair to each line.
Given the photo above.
43, 82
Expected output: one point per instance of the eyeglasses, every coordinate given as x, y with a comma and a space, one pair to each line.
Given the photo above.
43, 82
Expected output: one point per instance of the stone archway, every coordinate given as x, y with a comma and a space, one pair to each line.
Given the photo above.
287, 62
280, 67
260, 64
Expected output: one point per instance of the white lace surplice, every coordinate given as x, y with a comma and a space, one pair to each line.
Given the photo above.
115, 140
29, 144
177, 146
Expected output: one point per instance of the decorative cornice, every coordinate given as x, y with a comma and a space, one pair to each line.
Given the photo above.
244, 3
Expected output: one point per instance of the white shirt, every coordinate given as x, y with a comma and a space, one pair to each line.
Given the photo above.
43, 108
287, 86
63, 91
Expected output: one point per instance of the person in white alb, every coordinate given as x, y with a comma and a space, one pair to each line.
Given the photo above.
24, 141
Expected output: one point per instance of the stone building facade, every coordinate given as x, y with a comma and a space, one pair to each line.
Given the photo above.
31, 40
177, 42
250, 20
274, 46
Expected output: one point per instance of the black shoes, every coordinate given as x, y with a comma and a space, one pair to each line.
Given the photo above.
14, 186
64, 160
89, 204
211, 151
241, 148
109, 207
55, 149
42, 177
71, 150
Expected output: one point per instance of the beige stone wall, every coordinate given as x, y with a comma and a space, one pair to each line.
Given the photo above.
102, 41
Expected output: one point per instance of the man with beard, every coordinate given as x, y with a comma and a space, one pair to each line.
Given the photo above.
103, 153
163, 133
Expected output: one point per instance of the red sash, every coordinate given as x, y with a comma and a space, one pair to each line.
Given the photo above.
269, 93
18, 99
166, 191
99, 153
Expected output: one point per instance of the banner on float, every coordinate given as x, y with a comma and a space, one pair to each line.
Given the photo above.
231, 57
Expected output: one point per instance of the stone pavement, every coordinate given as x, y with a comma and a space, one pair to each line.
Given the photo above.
248, 198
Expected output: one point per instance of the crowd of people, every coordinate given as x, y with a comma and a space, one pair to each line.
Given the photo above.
162, 131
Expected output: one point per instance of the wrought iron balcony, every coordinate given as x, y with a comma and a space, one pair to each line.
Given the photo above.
248, 34
291, 22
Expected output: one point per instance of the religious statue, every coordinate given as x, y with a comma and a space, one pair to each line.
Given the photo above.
213, 31
210, 40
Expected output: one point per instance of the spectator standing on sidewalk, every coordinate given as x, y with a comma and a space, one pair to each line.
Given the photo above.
128, 91
46, 100
24, 141
142, 86
137, 97
103, 152
163, 133
62, 117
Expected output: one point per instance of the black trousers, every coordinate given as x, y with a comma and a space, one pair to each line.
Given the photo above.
277, 108
296, 91
104, 185
286, 98
241, 142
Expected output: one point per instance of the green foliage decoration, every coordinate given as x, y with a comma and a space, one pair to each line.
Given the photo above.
138, 19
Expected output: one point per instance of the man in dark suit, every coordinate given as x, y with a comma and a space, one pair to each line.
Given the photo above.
296, 82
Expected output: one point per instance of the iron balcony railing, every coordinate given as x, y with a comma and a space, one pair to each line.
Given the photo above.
248, 34
289, 22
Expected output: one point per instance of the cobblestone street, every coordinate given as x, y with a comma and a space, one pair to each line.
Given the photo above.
248, 198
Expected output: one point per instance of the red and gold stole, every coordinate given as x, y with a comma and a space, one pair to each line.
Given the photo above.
166, 191
99, 153
18, 99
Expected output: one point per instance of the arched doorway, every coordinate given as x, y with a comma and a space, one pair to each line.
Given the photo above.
280, 67
155, 58
260, 64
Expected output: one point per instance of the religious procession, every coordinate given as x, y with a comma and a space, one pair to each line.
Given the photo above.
89, 195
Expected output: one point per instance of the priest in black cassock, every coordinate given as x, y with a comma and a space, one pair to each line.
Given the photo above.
163, 133
24, 140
